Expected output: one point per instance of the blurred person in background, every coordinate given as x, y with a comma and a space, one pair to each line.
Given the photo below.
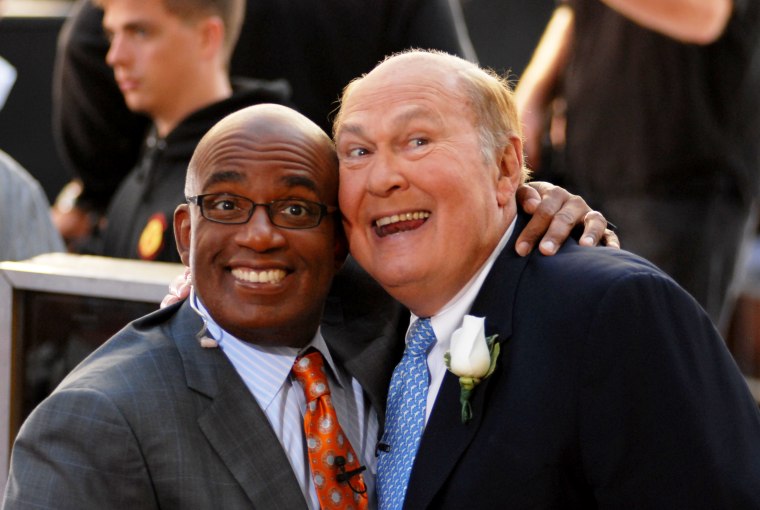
662, 121
25, 223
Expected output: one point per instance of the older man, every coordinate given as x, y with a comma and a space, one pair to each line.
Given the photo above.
611, 389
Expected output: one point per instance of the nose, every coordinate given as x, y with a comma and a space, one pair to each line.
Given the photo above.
118, 51
259, 233
386, 174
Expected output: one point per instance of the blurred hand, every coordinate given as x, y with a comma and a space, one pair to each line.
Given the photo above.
76, 224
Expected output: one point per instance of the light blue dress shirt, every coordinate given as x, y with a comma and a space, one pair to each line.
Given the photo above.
266, 373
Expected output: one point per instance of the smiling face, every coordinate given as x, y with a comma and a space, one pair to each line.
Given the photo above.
262, 283
423, 205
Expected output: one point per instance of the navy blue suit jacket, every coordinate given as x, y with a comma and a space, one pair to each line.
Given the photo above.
612, 390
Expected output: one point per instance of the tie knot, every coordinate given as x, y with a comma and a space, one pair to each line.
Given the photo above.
421, 337
309, 370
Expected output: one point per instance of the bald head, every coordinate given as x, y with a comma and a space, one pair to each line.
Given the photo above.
264, 129
487, 97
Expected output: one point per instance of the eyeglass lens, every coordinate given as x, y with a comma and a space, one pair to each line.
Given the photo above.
287, 213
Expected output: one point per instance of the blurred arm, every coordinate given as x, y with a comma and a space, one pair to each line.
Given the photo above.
537, 85
690, 21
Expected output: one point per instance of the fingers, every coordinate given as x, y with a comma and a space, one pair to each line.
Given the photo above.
594, 225
560, 227
179, 288
610, 239
528, 197
553, 218
595, 231
169, 299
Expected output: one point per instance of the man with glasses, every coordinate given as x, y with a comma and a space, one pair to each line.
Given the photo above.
194, 406
236, 210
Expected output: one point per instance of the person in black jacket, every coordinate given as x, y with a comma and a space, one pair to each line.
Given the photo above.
317, 49
669, 136
170, 62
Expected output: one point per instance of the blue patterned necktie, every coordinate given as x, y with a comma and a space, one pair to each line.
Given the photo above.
405, 417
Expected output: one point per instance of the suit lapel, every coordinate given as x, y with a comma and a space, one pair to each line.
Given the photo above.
446, 438
234, 424
361, 325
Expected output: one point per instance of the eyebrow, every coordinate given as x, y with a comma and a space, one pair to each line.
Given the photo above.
413, 113
223, 176
299, 181
354, 129
129, 26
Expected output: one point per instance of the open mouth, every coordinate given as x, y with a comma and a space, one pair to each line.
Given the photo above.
261, 276
403, 222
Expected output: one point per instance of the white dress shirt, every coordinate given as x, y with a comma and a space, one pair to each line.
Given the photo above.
266, 371
449, 319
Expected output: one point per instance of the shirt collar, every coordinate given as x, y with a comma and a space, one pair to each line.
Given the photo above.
278, 359
449, 318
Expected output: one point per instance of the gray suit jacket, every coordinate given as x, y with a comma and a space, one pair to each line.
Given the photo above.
152, 420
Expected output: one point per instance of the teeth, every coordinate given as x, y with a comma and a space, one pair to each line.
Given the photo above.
268, 276
417, 215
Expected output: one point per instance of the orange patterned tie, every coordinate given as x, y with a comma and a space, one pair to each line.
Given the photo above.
334, 466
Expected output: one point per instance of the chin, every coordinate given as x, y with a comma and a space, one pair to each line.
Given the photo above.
137, 106
390, 277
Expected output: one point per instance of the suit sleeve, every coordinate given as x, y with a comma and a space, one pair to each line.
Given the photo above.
77, 451
666, 420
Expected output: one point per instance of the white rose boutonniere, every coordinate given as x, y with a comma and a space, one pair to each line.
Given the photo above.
472, 358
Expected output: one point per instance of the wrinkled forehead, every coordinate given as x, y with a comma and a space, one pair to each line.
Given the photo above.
239, 150
406, 78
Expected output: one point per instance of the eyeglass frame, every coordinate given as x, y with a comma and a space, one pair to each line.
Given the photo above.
324, 210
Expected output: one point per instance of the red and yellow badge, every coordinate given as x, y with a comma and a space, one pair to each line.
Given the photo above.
152, 238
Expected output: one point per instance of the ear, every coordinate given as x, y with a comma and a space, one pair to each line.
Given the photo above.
211, 36
510, 162
182, 232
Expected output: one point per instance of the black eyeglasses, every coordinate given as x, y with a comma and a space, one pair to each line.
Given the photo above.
231, 209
